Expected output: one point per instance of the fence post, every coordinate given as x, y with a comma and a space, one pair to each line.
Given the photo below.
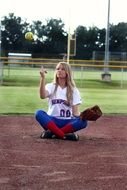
121, 77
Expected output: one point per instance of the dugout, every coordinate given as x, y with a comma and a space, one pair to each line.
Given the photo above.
17, 58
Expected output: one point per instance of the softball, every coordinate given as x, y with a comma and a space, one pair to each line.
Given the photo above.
29, 36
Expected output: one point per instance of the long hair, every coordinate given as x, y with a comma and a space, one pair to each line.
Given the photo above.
70, 84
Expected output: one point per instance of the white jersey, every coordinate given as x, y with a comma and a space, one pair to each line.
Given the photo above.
58, 104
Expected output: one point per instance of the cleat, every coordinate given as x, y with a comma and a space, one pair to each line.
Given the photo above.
71, 136
46, 135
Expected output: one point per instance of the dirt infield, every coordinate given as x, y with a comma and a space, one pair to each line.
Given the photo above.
98, 161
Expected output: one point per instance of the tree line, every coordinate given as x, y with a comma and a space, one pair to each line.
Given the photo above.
51, 38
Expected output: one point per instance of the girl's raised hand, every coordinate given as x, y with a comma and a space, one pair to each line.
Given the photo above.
42, 72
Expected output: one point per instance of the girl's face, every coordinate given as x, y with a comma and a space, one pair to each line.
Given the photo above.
60, 72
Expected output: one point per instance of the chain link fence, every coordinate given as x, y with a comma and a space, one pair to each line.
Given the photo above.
83, 70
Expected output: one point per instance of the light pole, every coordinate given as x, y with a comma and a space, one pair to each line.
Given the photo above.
106, 76
1, 64
68, 46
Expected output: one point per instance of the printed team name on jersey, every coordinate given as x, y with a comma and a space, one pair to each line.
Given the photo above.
60, 101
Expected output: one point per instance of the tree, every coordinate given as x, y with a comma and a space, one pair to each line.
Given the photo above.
56, 41
81, 37
13, 33
87, 41
118, 37
51, 38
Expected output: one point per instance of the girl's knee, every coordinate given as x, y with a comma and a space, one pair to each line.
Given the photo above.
85, 123
38, 114
80, 125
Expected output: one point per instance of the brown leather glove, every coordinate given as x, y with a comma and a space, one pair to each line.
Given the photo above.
91, 114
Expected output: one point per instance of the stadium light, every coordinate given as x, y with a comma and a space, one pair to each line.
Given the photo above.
106, 76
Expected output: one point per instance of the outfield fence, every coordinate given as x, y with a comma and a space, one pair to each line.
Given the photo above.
83, 70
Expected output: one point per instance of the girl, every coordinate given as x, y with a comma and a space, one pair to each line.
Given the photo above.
63, 116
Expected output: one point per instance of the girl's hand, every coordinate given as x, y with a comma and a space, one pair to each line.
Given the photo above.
43, 72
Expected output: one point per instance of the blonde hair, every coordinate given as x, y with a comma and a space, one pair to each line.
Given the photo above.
70, 84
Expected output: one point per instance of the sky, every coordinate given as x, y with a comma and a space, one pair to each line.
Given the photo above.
73, 13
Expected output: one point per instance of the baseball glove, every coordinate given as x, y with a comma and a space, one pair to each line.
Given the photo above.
91, 114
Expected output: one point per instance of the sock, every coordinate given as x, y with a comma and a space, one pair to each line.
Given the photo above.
53, 128
67, 129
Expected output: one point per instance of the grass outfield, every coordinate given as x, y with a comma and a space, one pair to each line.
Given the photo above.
19, 93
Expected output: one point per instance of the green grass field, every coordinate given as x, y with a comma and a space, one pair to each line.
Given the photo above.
19, 92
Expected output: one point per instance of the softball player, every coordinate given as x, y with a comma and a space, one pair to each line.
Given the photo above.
62, 118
